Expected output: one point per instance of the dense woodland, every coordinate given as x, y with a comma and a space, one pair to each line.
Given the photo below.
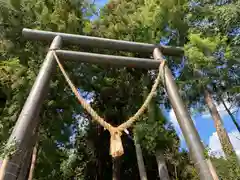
72, 146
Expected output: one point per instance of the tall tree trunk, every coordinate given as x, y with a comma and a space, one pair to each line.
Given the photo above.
230, 114
212, 170
221, 132
33, 162
162, 168
141, 167
116, 168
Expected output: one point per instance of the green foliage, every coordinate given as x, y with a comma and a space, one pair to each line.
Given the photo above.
14, 80
7, 150
179, 164
16, 4
152, 133
201, 52
227, 169
10, 74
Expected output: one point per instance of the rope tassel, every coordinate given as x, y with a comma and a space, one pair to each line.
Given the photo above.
116, 147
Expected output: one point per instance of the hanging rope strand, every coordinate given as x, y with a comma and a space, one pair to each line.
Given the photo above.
142, 109
116, 148
82, 101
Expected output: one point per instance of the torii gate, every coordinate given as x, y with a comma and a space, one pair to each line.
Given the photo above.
27, 120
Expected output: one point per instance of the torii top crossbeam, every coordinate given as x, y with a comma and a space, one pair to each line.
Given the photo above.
97, 42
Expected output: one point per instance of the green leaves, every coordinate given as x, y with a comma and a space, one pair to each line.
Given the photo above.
10, 73
204, 44
16, 4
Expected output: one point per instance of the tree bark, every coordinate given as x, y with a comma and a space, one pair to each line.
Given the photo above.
230, 114
162, 168
140, 161
212, 170
221, 132
116, 168
33, 162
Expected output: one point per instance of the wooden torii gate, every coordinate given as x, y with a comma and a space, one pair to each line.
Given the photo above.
27, 120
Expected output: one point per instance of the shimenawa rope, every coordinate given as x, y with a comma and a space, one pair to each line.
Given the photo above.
116, 148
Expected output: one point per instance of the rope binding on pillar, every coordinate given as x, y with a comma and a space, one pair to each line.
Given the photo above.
116, 147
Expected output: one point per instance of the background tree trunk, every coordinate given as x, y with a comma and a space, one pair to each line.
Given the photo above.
141, 166
212, 170
162, 168
230, 114
221, 132
33, 162
116, 168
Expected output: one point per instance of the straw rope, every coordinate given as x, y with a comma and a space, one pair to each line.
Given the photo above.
116, 148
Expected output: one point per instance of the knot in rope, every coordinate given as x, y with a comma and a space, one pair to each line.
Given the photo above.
116, 147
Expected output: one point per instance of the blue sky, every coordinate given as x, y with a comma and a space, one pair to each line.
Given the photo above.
206, 129
204, 123
100, 3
